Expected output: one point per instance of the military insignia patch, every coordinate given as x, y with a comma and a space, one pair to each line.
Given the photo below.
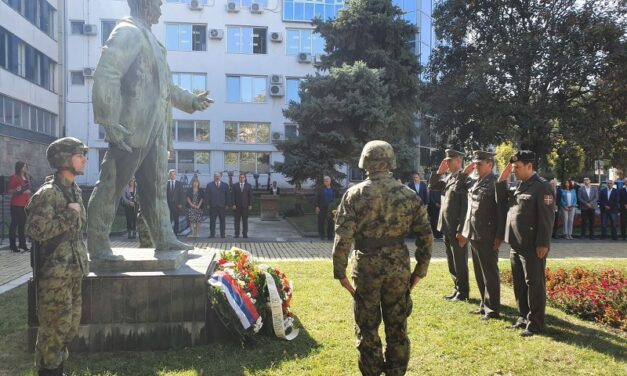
548, 199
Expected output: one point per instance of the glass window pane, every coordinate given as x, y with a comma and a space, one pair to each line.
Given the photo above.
247, 40
25, 116
186, 161
305, 41
172, 37
247, 133
199, 83
293, 42
426, 6
1, 109
299, 11
263, 163
185, 130
202, 161
318, 43
8, 111
319, 11
329, 11
33, 119
186, 81
259, 89
40, 121
232, 89
185, 37
291, 131
291, 92
173, 129
247, 162
288, 10
230, 132
202, 131
309, 11
17, 114
259, 40
233, 40
246, 89
263, 133
231, 161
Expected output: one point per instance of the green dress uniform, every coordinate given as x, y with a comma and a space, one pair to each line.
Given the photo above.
529, 225
377, 215
62, 263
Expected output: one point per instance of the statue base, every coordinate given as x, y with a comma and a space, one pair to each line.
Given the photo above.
138, 260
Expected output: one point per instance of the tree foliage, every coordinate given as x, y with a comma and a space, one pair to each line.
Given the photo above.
566, 159
503, 153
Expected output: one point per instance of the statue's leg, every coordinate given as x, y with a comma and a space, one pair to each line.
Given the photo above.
151, 184
116, 170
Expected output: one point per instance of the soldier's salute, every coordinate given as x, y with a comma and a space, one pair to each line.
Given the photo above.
485, 227
528, 231
452, 217
377, 215
56, 219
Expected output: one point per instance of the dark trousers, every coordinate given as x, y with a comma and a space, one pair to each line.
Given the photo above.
457, 258
215, 212
434, 213
325, 222
529, 288
174, 218
555, 224
623, 223
241, 213
131, 217
608, 216
587, 222
18, 221
485, 262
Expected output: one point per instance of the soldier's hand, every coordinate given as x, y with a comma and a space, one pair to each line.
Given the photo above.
347, 285
443, 167
413, 281
74, 206
507, 171
541, 252
461, 240
470, 168
116, 134
497, 243
202, 102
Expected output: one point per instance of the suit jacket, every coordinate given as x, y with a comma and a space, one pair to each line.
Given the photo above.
242, 198
278, 191
320, 197
585, 200
564, 198
622, 198
422, 193
530, 215
485, 219
217, 197
175, 197
133, 85
613, 201
454, 203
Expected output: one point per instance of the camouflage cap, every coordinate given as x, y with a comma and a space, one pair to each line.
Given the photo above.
523, 156
377, 155
60, 152
480, 155
450, 154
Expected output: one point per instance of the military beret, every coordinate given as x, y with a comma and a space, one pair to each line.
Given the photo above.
480, 155
523, 156
450, 154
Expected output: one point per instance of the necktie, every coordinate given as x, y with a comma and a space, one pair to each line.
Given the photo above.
241, 187
218, 185
171, 185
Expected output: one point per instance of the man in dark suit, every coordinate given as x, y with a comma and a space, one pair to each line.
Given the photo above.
324, 198
218, 197
622, 198
420, 188
452, 217
435, 201
610, 204
242, 194
588, 199
176, 198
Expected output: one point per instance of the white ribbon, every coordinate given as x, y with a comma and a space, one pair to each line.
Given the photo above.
276, 307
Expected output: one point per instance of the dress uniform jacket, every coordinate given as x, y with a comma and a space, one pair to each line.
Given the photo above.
454, 201
485, 219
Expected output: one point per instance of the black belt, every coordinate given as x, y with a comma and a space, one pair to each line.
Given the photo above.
371, 244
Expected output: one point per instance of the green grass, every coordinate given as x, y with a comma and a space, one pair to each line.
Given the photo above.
446, 339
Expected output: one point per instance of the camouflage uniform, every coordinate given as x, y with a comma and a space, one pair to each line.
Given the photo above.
377, 214
61, 263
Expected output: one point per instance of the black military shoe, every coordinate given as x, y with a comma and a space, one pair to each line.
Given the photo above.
477, 312
459, 298
527, 333
449, 297
517, 325
489, 316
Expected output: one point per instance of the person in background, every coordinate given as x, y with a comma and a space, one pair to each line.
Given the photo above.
622, 198
568, 203
608, 200
218, 197
588, 197
242, 197
325, 197
194, 207
274, 190
129, 200
175, 199
420, 188
557, 193
19, 189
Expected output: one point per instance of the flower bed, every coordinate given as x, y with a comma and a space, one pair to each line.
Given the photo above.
599, 296
246, 300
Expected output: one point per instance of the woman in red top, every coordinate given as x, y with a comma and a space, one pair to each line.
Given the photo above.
19, 189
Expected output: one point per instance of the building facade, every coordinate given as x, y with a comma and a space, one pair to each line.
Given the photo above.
30, 83
249, 54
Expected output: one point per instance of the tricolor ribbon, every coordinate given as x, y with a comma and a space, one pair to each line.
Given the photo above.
237, 298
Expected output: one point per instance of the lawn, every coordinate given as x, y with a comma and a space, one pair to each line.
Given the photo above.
446, 339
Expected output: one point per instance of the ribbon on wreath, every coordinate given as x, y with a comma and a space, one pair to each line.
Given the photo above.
280, 325
238, 300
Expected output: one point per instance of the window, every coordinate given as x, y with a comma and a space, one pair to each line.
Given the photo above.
76, 27
246, 40
189, 161
38, 12
291, 131
306, 10
304, 40
246, 89
291, 90
247, 133
77, 78
192, 82
247, 162
23, 115
204, 2
190, 131
247, 3
186, 37
107, 28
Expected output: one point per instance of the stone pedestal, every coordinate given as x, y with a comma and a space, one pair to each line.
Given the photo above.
269, 208
149, 302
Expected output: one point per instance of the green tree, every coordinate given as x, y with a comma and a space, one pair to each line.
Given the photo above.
367, 88
509, 68
566, 159
503, 153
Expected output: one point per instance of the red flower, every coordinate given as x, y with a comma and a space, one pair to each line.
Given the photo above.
222, 261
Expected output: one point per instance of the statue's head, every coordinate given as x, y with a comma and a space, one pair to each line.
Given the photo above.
147, 10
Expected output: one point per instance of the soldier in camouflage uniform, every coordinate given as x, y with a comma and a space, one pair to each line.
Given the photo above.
56, 219
377, 215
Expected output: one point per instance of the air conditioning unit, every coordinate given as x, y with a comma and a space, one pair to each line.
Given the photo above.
304, 57
88, 72
216, 34
276, 37
317, 60
255, 8
195, 5
277, 136
89, 29
276, 90
276, 79
232, 7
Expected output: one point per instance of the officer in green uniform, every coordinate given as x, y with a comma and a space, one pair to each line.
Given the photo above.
528, 231
377, 215
452, 217
485, 228
56, 220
